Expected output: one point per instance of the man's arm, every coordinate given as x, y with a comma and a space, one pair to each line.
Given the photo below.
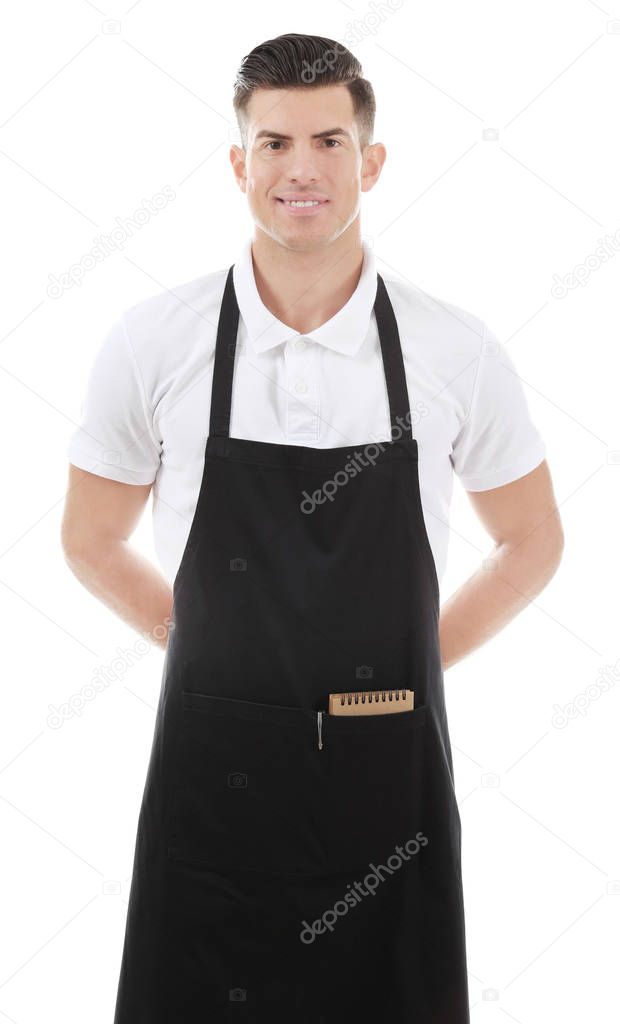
99, 517
522, 519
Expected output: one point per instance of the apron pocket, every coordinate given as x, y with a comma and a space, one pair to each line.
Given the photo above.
246, 782
376, 781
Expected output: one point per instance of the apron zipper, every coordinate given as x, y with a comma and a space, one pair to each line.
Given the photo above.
319, 725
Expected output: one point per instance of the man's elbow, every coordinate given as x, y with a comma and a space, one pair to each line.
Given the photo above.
81, 548
556, 546
77, 551
547, 549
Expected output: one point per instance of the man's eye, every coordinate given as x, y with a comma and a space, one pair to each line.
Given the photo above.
277, 142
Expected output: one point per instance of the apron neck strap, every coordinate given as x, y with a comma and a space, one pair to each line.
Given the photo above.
391, 352
224, 362
393, 365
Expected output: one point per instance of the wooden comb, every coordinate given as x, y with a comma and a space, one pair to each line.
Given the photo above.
370, 702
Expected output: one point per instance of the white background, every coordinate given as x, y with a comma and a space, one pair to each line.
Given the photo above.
100, 108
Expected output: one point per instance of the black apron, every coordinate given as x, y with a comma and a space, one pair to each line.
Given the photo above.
292, 865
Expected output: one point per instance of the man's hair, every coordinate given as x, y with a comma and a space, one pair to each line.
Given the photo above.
305, 62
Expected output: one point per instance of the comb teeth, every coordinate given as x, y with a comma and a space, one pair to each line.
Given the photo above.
360, 702
371, 696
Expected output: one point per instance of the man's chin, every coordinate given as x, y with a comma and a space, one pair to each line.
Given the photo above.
300, 241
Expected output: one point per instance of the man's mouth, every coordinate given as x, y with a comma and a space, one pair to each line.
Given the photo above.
298, 204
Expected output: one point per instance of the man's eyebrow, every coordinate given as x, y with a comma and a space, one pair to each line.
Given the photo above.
266, 133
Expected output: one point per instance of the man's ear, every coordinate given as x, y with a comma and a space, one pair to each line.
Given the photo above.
373, 159
236, 156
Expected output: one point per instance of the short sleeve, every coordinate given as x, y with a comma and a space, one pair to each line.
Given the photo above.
498, 441
116, 438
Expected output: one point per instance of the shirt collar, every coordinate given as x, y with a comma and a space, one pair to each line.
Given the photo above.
344, 332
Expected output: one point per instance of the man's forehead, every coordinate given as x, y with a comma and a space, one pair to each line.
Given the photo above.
279, 109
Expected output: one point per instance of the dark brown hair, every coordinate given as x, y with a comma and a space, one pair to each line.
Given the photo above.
297, 61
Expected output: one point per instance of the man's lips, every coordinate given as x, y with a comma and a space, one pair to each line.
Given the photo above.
315, 206
302, 199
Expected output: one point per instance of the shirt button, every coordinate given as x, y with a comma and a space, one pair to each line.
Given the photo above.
300, 344
301, 387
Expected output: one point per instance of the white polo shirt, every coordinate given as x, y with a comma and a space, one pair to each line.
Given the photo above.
145, 413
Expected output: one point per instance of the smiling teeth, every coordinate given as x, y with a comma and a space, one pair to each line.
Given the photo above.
298, 202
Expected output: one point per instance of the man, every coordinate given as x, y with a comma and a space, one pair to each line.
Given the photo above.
300, 418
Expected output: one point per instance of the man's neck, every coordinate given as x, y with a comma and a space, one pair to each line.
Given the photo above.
305, 289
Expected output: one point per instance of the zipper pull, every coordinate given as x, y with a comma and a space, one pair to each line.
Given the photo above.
319, 725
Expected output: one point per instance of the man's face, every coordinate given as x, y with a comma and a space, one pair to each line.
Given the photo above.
304, 143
